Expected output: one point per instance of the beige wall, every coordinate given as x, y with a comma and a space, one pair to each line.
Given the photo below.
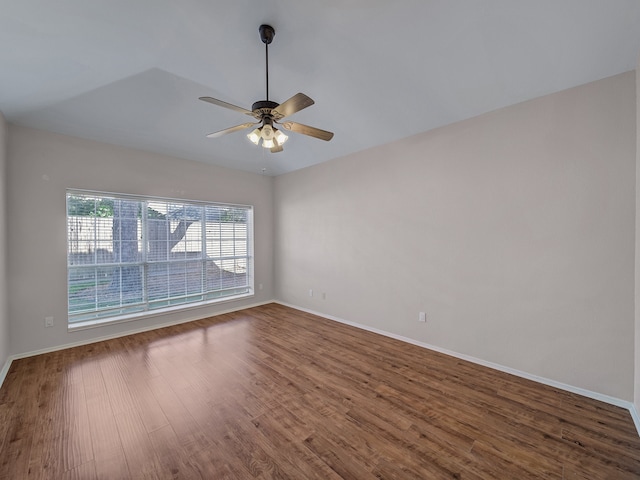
42, 165
4, 319
514, 231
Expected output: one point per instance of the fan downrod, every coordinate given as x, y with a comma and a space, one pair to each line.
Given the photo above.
267, 32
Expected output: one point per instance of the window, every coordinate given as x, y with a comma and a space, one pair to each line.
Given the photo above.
128, 255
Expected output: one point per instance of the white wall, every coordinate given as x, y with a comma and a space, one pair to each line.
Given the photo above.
42, 165
4, 319
514, 231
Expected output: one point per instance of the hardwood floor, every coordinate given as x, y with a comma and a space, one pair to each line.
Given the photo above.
272, 392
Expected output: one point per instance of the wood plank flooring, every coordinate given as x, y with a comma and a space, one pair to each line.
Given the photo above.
274, 393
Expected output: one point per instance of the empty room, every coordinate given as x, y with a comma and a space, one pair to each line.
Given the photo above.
319, 240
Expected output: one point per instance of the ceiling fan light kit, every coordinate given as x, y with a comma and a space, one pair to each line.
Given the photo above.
269, 113
270, 136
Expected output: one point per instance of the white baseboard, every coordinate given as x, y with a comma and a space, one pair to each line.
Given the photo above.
7, 365
5, 370
562, 386
552, 383
636, 418
131, 332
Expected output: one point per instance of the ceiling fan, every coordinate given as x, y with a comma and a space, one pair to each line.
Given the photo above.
269, 113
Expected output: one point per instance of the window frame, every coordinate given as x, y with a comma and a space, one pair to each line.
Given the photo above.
145, 308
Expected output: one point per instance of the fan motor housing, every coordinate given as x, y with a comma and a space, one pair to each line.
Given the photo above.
264, 104
264, 108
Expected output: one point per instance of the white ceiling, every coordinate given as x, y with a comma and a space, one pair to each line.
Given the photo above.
130, 72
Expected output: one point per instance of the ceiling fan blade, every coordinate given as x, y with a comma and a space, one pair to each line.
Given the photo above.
291, 106
307, 130
230, 106
276, 148
231, 130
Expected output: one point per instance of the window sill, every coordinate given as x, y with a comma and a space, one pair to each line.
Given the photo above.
102, 322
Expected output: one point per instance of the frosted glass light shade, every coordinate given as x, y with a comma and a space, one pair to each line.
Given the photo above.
254, 136
280, 137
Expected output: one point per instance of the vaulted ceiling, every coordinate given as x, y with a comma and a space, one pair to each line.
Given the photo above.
130, 72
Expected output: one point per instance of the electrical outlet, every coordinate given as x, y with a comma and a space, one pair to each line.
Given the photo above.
48, 321
259, 286
324, 296
310, 292
422, 317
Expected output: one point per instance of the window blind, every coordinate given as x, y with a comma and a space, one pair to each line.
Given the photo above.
127, 255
